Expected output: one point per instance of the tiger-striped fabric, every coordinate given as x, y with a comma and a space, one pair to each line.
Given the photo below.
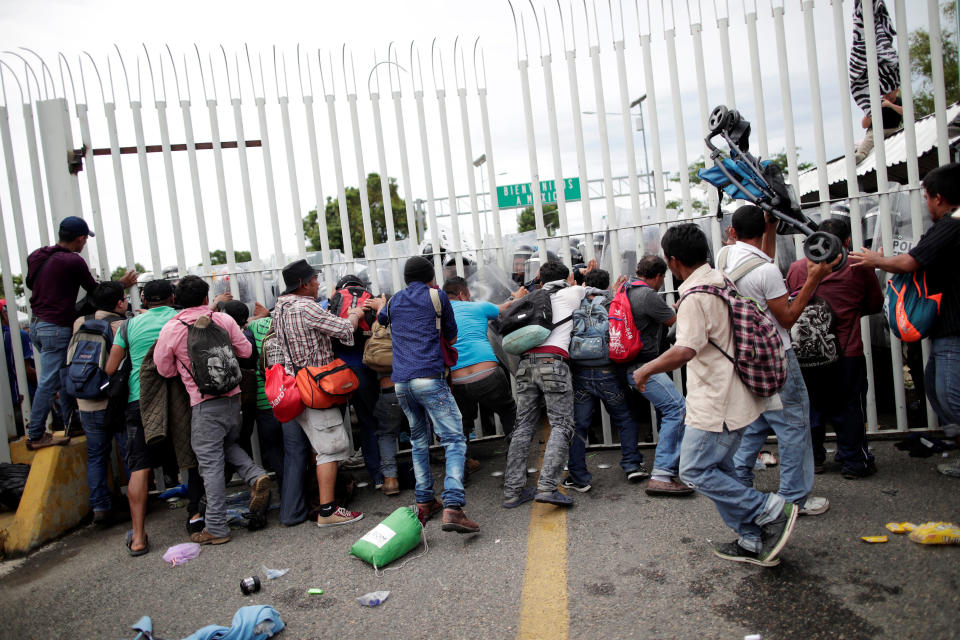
888, 63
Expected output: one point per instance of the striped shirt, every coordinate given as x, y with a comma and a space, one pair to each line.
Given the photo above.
304, 329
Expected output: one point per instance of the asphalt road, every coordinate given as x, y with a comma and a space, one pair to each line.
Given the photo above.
636, 567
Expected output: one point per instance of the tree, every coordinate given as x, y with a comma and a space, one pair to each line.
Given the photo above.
119, 272
378, 218
526, 221
219, 256
921, 67
17, 286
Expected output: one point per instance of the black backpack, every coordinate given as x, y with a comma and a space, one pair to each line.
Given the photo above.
213, 364
534, 308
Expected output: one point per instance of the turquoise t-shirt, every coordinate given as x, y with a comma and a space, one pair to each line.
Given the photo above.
142, 331
472, 342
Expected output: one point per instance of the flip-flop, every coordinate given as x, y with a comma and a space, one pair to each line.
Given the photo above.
138, 552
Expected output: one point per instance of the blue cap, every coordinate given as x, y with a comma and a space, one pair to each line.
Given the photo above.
76, 226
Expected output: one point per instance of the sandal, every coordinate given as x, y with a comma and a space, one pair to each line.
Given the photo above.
138, 552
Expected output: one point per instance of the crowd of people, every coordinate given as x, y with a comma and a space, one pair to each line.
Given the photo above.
191, 373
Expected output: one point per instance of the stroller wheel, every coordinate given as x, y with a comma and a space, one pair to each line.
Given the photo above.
824, 247
718, 119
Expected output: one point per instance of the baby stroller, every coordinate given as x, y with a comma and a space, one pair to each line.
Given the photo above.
743, 177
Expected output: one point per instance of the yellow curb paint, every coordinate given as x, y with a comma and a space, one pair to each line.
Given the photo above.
543, 604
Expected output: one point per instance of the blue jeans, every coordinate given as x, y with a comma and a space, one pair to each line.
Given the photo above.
706, 463
669, 403
792, 426
588, 385
99, 448
422, 397
50, 341
363, 402
297, 455
942, 378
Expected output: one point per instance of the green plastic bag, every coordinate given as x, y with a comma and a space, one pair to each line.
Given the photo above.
525, 338
393, 538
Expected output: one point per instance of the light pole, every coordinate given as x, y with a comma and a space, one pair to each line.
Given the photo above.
478, 163
643, 132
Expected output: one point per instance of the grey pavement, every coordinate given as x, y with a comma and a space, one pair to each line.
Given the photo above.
637, 567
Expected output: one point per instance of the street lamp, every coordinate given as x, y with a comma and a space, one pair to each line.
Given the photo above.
643, 132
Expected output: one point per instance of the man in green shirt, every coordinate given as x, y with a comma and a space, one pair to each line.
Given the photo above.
141, 332
284, 447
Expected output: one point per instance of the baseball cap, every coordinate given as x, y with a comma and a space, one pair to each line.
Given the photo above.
76, 226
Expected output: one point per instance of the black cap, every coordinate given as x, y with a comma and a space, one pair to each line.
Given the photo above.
349, 280
157, 291
296, 274
76, 226
418, 269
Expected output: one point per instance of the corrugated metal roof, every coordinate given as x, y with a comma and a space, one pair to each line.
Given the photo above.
896, 148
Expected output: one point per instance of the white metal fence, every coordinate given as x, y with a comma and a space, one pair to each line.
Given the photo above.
159, 186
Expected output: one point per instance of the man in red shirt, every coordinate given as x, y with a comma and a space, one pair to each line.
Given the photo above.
837, 389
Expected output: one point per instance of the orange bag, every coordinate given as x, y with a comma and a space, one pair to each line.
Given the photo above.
326, 386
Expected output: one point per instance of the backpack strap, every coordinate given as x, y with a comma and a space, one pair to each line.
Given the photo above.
435, 298
742, 269
724, 294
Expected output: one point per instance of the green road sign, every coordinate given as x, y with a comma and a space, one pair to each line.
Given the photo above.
520, 195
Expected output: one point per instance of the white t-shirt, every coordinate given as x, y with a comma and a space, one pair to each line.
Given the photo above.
763, 283
564, 302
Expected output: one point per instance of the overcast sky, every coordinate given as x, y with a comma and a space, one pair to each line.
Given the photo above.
366, 27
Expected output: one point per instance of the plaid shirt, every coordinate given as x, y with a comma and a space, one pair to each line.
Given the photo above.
304, 329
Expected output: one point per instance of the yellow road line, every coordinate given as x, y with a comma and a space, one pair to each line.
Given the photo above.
543, 605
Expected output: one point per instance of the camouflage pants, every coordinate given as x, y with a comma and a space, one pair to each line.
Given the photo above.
543, 381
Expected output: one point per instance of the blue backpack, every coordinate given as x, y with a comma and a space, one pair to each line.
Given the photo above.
87, 355
590, 341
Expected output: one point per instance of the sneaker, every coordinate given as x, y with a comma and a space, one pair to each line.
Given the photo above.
814, 506
456, 520
46, 440
526, 495
340, 516
260, 494
640, 473
951, 469
672, 488
568, 483
775, 534
426, 510
205, 537
195, 524
554, 497
471, 466
852, 474
733, 551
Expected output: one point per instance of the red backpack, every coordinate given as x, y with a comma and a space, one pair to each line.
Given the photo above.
348, 298
625, 341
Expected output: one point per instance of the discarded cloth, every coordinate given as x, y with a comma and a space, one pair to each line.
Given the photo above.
256, 622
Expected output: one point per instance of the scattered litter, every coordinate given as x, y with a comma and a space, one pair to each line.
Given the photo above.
374, 598
182, 553
362, 484
175, 503
936, 533
901, 527
314, 592
497, 474
874, 539
497, 541
890, 492
945, 455
250, 585
603, 465
532, 470
592, 455
238, 498
273, 574
753, 636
